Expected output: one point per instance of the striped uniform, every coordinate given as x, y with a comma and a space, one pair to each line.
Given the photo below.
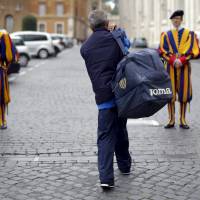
181, 44
7, 55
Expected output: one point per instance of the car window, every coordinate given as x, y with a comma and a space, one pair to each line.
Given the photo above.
18, 42
140, 40
40, 37
30, 37
56, 38
22, 36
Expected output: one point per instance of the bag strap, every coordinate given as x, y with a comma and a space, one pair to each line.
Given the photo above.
117, 36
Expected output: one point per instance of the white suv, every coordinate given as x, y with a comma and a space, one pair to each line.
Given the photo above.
39, 43
22, 49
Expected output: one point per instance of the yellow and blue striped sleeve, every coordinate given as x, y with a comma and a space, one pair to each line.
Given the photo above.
164, 48
7, 51
193, 51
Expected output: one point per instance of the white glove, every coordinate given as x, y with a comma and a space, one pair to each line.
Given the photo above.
177, 63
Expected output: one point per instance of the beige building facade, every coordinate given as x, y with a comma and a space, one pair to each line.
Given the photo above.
53, 16
148, 18
12, 13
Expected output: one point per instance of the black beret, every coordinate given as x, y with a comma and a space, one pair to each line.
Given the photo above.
177, 13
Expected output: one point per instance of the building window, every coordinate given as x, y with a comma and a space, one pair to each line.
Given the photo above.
59, 9
59, 28
18, 7
42, 9
42, 26
9, 23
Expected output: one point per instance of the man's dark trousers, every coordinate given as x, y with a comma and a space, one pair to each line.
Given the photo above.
112, 138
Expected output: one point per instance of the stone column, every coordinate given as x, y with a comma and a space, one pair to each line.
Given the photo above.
192, 17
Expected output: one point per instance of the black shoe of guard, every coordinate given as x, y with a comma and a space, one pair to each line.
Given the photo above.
184, 126
168, 126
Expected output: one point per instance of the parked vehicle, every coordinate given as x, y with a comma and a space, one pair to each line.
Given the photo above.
58, 37
24, 56
140, 43
39, 43
64, 40
69, 43
57, 43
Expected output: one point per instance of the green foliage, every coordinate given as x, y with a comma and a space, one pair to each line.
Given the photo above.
29, 23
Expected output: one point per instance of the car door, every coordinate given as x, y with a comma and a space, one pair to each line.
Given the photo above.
38, 42
29, 40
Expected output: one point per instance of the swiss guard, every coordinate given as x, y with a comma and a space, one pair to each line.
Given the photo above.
7, 55
177, 47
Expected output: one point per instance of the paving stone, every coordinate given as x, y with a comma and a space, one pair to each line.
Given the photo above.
53, 118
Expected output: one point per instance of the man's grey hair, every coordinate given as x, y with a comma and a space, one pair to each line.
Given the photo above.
97, 18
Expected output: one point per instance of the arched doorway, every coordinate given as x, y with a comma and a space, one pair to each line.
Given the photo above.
9, 23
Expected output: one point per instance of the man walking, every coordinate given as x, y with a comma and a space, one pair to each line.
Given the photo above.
177, 47
102, 54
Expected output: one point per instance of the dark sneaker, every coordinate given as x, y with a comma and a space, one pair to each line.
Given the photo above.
107, 186
126, 173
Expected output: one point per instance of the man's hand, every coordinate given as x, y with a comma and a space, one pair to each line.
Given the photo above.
178, 63
112, 27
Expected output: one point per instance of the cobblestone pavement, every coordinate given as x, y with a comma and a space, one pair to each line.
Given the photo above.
49, 150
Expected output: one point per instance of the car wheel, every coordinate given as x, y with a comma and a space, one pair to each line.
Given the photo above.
43, 54
23, 60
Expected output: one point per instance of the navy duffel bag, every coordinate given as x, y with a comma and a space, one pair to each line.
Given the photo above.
141, 84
